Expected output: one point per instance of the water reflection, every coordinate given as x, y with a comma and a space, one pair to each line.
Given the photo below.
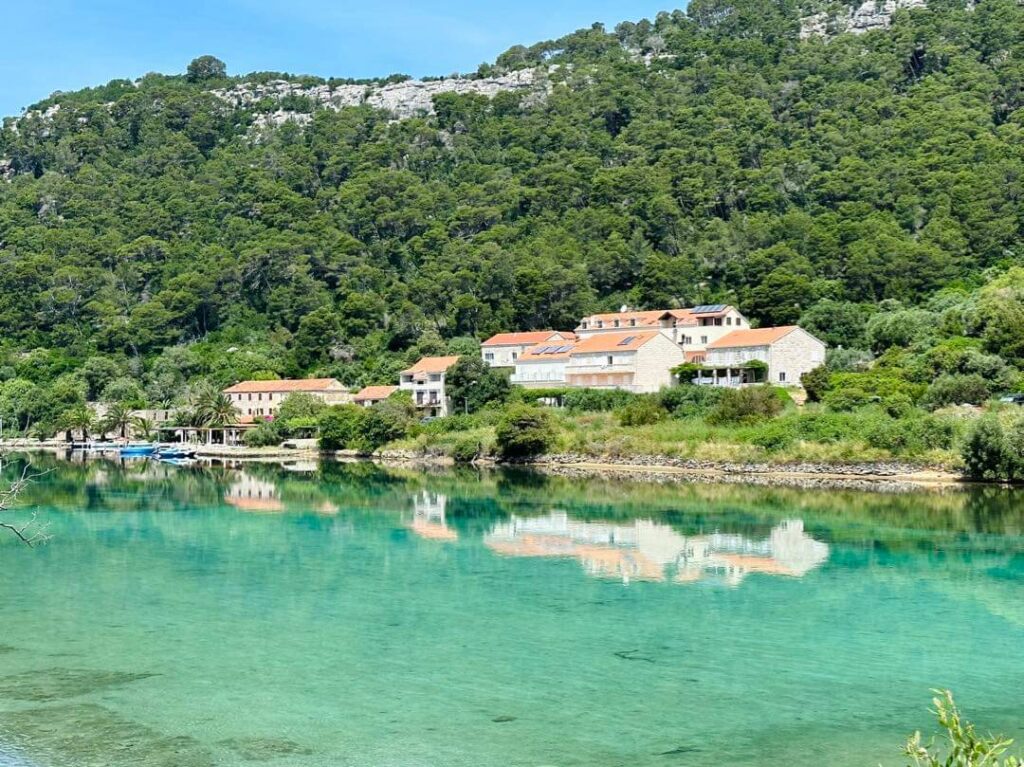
428, 520
646, 550
249, 493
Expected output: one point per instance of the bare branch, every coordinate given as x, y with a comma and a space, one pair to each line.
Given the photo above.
30, 533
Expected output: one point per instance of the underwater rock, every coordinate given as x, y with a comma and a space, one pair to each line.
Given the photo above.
60, 683
504, 718
87, 735
264, 749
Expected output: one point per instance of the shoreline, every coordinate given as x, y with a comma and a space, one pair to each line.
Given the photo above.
886, 476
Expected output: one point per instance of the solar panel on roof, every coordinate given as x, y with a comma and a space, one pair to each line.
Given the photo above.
541, 350
567, 348
627, 341
709, 308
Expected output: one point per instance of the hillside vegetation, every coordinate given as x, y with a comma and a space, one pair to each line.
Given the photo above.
867, 186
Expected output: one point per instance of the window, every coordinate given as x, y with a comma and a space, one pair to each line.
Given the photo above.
489, 356
583, 325
599, 324
632, 322
739, 321
260, 398
782, 376
515, 356
250, 397
718, 320
611, 360
703, 339
728, 320
616, 323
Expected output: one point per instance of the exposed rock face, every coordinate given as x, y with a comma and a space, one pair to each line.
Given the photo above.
869, 15
403, 100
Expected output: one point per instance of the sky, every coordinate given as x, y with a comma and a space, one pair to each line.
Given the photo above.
52, 45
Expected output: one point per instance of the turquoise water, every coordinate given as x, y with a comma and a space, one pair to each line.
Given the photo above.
359, 616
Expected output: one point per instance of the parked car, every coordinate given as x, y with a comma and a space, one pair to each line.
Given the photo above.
1013, 399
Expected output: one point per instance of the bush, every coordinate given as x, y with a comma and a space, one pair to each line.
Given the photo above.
749, 405
466, 450
640, 412
956, 390
340, 426
816, 383
774, 435
596, 400
964, 747
687, 401
986, 451
267, 434
524, 431
383, 423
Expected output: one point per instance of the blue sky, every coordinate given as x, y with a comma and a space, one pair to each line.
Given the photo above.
67, 44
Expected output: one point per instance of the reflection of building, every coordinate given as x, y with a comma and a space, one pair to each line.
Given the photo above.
248, 493
646, 550
428, 520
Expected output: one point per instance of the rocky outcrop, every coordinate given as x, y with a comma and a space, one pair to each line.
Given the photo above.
869, 15
409, 98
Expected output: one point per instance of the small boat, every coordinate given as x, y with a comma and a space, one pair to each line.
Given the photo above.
138, 449
181, 462
167, 453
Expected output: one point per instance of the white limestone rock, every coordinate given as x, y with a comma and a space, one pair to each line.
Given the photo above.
869, 15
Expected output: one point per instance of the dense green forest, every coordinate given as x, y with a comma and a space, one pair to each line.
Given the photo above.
869, 186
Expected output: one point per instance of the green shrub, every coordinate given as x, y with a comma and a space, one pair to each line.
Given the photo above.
956, 390
816, 383
524, 431
466, 450
848, 398
642, 411
596, 400
748, 405
963, 747
340, 426
985, 451
267, 434
383, 423
774, 435
911, 435
687, 401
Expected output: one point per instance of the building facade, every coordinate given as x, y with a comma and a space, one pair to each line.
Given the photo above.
261, 399
784, 354
639, 362
691, 329
504, 349
369, 396
426, 382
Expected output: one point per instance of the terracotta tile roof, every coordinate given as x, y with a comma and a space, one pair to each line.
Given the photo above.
294, 385
431, 365
614, 342
375, 392
522, 339
756, 337
537, 353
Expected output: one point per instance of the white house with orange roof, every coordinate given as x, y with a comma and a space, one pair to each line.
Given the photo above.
426, 382
692, 329
504, 349
261, 399
637, 361
369, 396
788, 352
543, 366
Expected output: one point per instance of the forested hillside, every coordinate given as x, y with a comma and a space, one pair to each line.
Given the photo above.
152, 231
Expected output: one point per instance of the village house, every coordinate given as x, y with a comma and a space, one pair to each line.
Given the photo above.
638, 361
369, 396
692, 329
765, 355
504, 349
426, 381
543, 366
261, 399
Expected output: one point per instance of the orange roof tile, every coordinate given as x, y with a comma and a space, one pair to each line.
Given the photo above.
614, 342
522, 339
432, 365
293, 385
375, 392
756, 337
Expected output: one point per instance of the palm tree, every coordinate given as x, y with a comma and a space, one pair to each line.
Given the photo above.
143, 428
211, 407
81, 418
118, 418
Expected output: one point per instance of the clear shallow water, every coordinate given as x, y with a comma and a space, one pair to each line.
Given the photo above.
359, 616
